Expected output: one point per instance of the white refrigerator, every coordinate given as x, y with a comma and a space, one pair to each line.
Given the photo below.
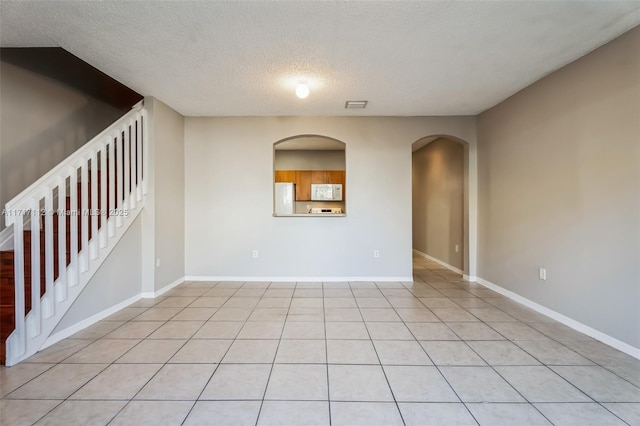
285, 194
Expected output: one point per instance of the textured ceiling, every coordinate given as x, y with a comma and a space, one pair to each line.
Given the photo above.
218, 58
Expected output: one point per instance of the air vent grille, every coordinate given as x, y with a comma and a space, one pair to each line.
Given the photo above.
355, 104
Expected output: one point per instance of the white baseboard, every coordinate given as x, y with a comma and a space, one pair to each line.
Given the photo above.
55, 338
166, 288
446, 265
294, 279
569, 322
63, 334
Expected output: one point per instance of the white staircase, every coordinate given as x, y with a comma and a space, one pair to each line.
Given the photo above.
93, 196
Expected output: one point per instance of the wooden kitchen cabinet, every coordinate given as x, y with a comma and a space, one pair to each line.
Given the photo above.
327, 176
303, 185
304, 178
318, 176
335, 176
285, 176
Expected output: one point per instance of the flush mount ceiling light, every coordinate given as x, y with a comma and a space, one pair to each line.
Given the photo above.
355, 104
302, 90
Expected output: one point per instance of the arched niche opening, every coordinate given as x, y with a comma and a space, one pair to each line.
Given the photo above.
440, 201
309, 177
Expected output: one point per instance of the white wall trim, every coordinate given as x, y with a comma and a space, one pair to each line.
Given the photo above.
578, 326
446, 265
166, 288
63, 334
294, 279
56, 337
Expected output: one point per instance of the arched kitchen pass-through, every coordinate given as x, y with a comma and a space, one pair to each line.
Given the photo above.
309, 177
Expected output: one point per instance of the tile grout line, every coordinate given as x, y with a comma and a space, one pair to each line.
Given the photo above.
542, 364
171, 356
489, 365
97, 374
275, 354
221, 358
163, 364
326, 352
548, 332
424, 350
524, 350
378, 356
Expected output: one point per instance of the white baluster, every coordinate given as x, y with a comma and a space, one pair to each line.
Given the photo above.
112, 185
133, 142
103, 196
93, 217
120, 175
61, 287
18, 272
145, 150
74, 263
84, 218
139, 140
33, 318
48, 299
127, 168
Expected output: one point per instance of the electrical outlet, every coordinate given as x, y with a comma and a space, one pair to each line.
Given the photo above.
457, 248
254, 254
376, 253
542, 273
157, 262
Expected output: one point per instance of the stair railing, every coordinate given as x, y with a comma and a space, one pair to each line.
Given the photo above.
81, 208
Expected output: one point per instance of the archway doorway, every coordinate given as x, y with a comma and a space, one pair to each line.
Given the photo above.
440, 202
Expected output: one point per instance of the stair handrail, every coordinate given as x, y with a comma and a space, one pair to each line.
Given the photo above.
114, 160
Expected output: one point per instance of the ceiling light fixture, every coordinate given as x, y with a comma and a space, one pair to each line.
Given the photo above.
355, 104
302, 90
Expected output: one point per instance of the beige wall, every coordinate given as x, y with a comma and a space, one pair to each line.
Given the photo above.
438, 206
164, 213
117, 280
559, 188
229, 198
42, 122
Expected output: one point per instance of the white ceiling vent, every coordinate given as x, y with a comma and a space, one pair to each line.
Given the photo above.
355, 104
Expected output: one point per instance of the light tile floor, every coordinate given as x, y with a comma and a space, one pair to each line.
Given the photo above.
436, 351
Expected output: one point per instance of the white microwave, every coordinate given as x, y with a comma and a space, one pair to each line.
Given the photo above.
326, 192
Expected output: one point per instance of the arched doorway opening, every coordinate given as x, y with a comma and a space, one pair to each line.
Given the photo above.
441, 210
